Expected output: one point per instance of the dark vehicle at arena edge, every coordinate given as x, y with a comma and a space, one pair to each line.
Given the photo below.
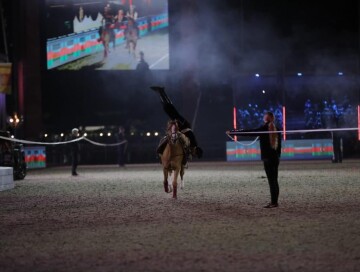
12, 155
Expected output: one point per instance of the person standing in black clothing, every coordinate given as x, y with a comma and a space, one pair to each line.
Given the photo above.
337, 147
74, 151
184, 125
270, 146
142, 66
336, 139
122, 147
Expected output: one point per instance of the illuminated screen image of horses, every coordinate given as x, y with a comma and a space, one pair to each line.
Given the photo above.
107, 35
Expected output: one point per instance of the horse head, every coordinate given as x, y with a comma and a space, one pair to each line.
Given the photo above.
172, 131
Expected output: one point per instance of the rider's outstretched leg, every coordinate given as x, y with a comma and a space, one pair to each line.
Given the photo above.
163, 96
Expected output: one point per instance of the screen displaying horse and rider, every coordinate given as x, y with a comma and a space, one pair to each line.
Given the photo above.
107, 35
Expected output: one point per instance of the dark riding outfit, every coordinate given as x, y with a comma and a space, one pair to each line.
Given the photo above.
74, 154
184, 125
269, 155
108, 22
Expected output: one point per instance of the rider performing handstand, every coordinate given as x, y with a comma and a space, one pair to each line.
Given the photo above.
183, 124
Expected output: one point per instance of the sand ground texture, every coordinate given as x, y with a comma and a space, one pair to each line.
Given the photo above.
112, 219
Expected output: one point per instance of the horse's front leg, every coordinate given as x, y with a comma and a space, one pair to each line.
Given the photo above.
166, 183
176, 174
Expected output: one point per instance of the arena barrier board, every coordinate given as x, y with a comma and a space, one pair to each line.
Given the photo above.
311, 149
35, 157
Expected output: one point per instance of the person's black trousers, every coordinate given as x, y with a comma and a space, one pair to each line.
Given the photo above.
175, 115
121, 155
337, 149
271, 168
74, 162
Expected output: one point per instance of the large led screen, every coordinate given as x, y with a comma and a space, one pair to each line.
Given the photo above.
107, 35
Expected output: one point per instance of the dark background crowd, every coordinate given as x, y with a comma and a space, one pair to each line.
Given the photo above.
329, 113
252, 115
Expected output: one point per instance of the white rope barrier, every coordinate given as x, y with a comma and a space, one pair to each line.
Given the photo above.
100, 144
61, 143
253, 142
41, 143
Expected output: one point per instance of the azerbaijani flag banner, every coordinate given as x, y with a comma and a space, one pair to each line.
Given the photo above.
5, 78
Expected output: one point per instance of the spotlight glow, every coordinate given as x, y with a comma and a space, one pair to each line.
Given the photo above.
340, 73
45, 135
12, 137
11, 120
109, 134
62, 134
263, 91
299, 74
85, 134
101, 134
148, 134
156, 133
257, 75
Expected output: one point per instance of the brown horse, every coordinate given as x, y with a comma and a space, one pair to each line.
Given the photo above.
173, 156
132, 36
105, 38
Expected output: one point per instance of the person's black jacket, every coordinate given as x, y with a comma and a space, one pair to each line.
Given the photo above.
267, 152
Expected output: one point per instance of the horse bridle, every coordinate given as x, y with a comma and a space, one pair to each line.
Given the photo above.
174, 137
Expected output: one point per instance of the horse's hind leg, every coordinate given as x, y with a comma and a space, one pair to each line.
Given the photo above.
182, 184
106, 50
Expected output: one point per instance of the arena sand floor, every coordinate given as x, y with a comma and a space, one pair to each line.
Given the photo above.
111, 219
